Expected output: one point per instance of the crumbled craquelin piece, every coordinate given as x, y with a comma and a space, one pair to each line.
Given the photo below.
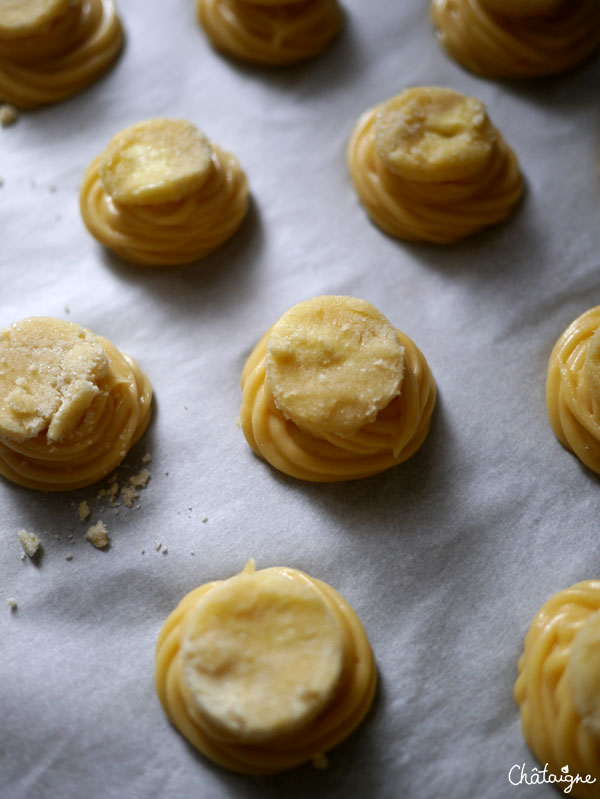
84, 510
140, 480
8, 115
30, 543
11, 602
69, 556
147, 458
97, 535
128, 495
165, 551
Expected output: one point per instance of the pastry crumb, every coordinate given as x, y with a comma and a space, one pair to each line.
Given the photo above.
204, 519
97, 535
69, 556
8, 115
157, 546
165, 551
128, 495
140, 480
30, 543
11, 602
192, 553
84, 510
147, 458
238, 421
142, 551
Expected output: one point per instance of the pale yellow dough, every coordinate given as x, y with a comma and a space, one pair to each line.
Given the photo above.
515, 39
71, 405
274, 32
429, 165
264, 671
573, 388
558, 687
334, 392
52, 49
162, 194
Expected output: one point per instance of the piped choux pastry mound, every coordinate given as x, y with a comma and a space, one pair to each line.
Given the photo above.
334, 392
428, 165
558, 688
264, 671
275, 32
517, 38
162, 194
573, 388
52, 49
71, 405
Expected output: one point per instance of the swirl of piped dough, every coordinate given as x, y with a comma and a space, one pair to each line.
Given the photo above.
58, 50
264, 671
517, 39
573, 388
162, 194
558, 687
71, 405
276, 33
429, 165
368, 412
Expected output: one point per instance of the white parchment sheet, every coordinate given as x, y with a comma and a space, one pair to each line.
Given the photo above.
446, 558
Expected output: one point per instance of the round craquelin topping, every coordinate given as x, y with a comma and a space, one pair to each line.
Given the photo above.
522, 8
49, 371
592, 364
333, 363
25, 17
154, 162
262, 655
431, 134
583, 673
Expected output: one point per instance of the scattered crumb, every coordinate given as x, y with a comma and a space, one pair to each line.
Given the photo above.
128, 495
97, 535
147, 458
11, 602
140, 480
110, 492
238, 421
157, 546
165, 551
8, 115
320, 761
185, 407
69, 556
30, 543
192, 553
191, 508
166, 474
67, 309
204, 519
52, 188
116, 511
84, 510
142, 552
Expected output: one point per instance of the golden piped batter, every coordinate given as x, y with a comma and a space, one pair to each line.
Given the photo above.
573, 388
52, 49
518, 38
71, 405
163, 194
270, 31
334, 392
558, 687
264, 671
429, 165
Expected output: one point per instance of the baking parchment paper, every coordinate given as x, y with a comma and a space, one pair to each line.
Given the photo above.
446, 558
